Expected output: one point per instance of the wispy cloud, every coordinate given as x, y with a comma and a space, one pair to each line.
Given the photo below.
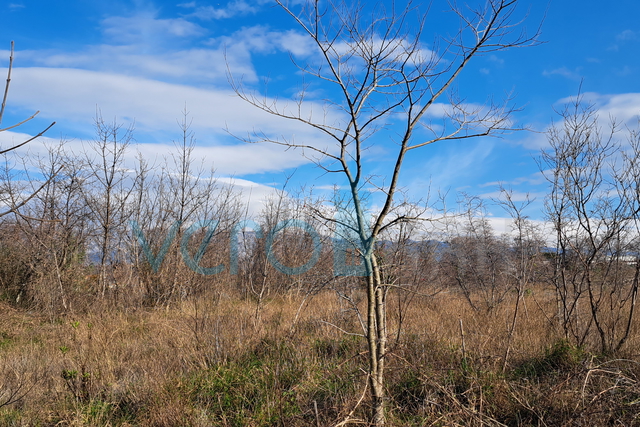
496, 60
261, 39
624, 71
451, 169
533, 179
516, 196
564, 72
627, 35
195, 64
233, 8
145, 27
624, 37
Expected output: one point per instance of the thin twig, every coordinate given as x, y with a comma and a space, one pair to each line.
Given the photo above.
6, 88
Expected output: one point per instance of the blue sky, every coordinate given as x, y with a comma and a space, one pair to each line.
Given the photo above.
143, 61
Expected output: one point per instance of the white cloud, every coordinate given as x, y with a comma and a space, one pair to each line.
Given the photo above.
196, 64
261, 39
252, 194
169, 49
71, 97
237, 159
624, 108
119, 80
505, 226
398, 50
443, 110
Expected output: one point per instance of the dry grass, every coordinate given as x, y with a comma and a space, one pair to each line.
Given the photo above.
219, 361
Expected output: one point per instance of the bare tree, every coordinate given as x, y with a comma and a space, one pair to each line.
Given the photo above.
381, 81
107, 193
17, 189
525, 251
56, 223
476, 259
185, 199
593, 207
12, 200
194, 195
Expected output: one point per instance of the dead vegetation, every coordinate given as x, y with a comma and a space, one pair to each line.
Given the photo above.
205, 361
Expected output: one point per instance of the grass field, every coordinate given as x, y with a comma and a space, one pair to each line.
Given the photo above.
296, 361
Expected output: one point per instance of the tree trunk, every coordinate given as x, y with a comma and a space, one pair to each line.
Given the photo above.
377, 340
